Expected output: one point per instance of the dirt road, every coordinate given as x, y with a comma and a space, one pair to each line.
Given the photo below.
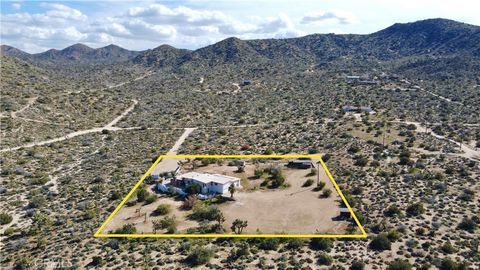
469, 152
171, 164
109, 126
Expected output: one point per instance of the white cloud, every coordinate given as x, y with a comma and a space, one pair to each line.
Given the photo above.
59, 26
272, 25
16, 6
161, 14
329, 17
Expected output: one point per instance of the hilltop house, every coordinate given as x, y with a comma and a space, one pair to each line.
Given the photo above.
210, 183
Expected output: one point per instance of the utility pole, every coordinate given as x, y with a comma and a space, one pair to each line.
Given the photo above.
383, 139
318, 173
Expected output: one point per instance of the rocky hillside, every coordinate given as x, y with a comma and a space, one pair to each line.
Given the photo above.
75, 54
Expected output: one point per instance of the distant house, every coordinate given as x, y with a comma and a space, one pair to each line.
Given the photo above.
300, 164
246, 82
351, 79
210, 183
353, 109
362, 80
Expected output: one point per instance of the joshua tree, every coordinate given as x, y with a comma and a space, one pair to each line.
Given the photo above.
232, 190
157, 225
238, 226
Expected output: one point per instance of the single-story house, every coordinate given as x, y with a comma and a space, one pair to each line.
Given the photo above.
354, 109
300, 164
210, 183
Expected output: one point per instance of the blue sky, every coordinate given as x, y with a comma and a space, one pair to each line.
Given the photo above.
35, 26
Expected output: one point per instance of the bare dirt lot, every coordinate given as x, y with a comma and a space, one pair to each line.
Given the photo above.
293, 210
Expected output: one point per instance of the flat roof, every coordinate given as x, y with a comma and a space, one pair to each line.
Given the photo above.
209, 177
301, 161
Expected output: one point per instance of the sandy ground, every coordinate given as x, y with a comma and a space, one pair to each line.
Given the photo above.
130, 215
296, 209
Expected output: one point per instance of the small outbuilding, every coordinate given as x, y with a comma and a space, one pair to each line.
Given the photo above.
345, 213
300, 164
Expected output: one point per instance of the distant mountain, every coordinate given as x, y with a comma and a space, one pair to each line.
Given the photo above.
164, 55
6, 50
426, 39
75, 54
433, 38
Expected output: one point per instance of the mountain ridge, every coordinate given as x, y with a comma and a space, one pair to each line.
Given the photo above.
424, 37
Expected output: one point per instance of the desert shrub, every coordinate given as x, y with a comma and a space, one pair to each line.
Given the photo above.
168, 223
324, 259
468, 225
97, 261
269, 243
127, 229
392, 210
326, 193
415, 209
37, 201
199, 256
162, 209
23, 263
295, 243
448, 248
312, 172
189, 202
241, 250
142, 194
380, 242
90, 214
353, 149
324, 244
258, 173
278, 179
205, 212
375, 163
467, 195
393, 235
5, 218
361, 161
150, 198
115, 196
357, 265
308, 183
357, 190
320, 186
399, 265
449, 264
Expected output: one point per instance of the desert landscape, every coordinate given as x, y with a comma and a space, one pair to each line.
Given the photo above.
393, 110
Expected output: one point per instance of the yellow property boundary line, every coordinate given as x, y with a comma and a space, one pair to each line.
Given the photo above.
106, 235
